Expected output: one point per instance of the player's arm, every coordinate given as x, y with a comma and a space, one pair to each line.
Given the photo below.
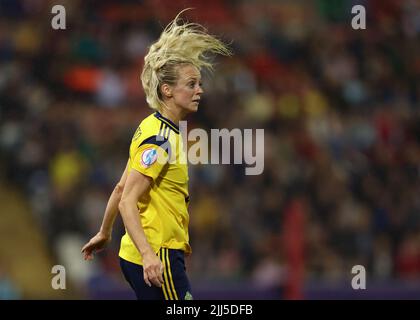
137, 185
103, 237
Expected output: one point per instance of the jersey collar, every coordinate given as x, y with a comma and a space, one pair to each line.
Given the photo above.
172, 125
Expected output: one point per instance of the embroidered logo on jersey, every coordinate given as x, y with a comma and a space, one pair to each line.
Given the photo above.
148, 157
137, 134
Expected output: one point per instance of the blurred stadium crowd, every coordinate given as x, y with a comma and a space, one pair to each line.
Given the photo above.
340, 109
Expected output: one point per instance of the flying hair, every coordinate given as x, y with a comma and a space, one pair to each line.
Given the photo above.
180, 43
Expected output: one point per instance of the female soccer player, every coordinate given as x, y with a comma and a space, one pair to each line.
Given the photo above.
152, 194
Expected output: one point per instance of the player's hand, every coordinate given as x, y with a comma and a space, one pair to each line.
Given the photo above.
96, 244
152, 269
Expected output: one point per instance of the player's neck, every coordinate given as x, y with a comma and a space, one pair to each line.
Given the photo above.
174, 115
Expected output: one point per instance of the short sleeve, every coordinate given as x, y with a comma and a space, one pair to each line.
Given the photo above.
151, 156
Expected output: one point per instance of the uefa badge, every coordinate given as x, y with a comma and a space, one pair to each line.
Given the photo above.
148, 157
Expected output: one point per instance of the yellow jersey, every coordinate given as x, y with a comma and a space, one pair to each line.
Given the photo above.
157, 151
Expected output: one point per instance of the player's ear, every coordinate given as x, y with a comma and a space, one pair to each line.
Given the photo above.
166, 90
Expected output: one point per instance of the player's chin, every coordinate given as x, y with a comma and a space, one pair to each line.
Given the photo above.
193, 107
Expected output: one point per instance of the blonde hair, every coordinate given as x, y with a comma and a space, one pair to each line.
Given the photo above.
179, 44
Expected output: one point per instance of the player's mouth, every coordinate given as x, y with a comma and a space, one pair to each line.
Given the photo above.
196, 101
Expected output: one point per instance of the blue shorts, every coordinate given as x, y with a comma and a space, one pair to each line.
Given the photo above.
176, 285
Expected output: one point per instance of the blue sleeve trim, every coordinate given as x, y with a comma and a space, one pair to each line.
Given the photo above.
158, 141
